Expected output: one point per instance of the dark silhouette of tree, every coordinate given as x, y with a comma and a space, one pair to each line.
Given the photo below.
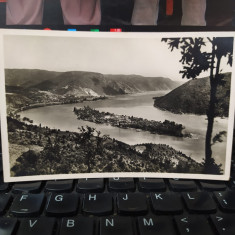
196, 58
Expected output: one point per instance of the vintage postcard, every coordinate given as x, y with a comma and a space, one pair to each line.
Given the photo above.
87, 105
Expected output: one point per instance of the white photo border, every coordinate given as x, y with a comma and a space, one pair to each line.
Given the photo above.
5, 145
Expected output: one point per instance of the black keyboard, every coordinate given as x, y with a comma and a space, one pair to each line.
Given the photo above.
123, 206
118, 206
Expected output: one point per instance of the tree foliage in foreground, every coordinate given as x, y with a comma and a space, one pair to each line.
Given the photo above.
200, 55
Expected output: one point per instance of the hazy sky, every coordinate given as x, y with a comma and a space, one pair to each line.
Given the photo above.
142, 56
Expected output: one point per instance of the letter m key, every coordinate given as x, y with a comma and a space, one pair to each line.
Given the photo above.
148, 222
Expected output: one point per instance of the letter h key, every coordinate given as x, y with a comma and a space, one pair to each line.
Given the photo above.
98, 204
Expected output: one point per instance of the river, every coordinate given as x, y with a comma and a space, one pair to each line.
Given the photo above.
138, 105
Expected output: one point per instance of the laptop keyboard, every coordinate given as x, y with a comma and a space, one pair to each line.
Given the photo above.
123, 206
118, 206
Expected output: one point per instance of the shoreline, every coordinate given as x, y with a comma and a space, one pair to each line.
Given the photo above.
125, 122
112, 155
39, 105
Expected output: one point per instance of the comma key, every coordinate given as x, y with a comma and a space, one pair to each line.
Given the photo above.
116, 225
193, 225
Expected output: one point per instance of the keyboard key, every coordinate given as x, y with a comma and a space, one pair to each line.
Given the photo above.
32, 187
226, 200
3, 186
232, 183
182, 185
75, 226
64, 204
4, 201
98, 204
166, 203
7, 226
131, 203
27, 205
116, 225
193, 225
59, 186
121, 184
151, 185
90, 185
199, 202
152, 225
224, 223
37, 226
213, 185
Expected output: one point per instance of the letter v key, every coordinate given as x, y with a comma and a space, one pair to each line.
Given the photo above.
31, 223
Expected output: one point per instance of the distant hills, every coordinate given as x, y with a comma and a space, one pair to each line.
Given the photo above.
193, 97
79, 83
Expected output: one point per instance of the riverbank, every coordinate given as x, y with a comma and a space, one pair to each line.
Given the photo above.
13, 111
45, 151
123, 121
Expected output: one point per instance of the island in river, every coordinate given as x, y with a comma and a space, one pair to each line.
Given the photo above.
123, 121
55, 146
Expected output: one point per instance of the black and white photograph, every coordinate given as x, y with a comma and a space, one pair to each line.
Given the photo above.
85, 104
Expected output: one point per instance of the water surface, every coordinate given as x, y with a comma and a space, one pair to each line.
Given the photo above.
138, 105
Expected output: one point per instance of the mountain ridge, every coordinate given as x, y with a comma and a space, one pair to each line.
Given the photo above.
193, 97
102, 84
